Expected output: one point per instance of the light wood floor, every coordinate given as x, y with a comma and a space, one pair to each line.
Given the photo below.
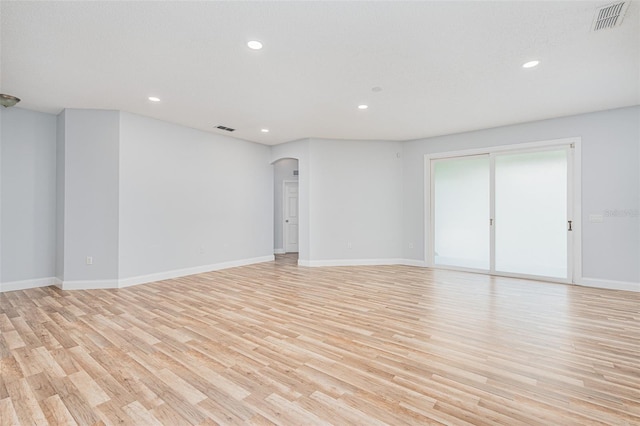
275, 343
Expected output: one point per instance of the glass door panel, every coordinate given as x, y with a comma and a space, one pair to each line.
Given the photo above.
461, 212
531, 213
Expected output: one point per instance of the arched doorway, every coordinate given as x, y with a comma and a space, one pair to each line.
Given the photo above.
285, 204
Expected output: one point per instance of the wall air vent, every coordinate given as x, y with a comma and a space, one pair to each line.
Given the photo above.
609, 16
228, 129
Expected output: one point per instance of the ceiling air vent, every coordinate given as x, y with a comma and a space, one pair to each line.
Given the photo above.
609, 16
228, 129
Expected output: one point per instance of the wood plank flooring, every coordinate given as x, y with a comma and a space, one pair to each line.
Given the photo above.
274, 343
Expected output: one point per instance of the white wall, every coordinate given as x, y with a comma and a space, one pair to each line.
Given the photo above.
91, 141
28, 179
144, 197
282, 171
350, 200
60, 171
355, 201
189, 199
610, 182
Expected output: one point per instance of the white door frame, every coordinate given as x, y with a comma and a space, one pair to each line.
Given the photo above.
284, 210
574, 211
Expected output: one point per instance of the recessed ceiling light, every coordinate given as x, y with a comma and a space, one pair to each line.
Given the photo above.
264, 130
153, 99
363, 106
530, 64
255, 45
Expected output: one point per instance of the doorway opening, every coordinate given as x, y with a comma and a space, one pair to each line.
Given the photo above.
286, 211
287, 259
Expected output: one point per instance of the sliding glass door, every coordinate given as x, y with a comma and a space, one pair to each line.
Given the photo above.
531, 219
506, 213
461, 214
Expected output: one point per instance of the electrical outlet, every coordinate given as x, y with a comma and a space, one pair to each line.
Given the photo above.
349, 245
89, 260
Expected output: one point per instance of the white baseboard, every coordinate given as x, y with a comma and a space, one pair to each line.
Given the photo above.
279, 251
126, 282
89, 284
27, 284
609, 284
361, 262
177, 273
349, 262
413, 262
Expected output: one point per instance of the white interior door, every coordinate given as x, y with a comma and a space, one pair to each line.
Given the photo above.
290, 217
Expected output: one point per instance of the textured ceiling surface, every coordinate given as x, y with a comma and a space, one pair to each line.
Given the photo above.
442, 67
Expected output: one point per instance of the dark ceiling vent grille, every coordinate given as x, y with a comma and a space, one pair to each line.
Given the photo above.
228, 129
609, 16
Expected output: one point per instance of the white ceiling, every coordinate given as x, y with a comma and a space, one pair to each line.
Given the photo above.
444, 67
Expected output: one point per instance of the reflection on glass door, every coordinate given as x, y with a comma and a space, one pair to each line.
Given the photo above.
531, 213
461, 213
